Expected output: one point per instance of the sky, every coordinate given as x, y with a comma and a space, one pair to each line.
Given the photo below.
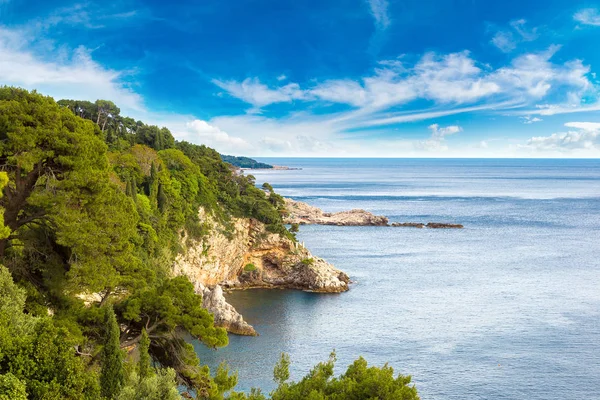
326, 78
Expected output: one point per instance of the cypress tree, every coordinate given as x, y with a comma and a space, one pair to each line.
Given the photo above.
133, 188
128, 189
161, 198
144, 366
153, 183
112, 374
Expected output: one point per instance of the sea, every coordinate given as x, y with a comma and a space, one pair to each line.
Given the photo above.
506, 308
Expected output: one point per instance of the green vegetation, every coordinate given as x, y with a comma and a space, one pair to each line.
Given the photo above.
249, 267
245, 162
92, 216
358, 382
308, 261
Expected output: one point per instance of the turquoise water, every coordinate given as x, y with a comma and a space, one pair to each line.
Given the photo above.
507, 308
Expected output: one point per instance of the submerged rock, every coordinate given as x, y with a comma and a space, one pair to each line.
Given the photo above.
305, 214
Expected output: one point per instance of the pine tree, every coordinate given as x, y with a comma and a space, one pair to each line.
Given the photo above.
144, 366
112, 374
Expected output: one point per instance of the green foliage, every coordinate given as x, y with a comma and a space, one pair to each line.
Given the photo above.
112, 375
98, 203
295, 227
244, 162
36, 355
144, 364
11, 388
281, 372
249, 267
359, 382
159, 386
308, 261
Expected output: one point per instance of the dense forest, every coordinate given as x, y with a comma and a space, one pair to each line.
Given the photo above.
95, 208
245, 162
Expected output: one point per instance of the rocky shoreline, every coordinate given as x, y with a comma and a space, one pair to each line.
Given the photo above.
243, 255
304, 214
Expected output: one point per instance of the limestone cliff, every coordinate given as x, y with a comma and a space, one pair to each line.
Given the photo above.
244, 255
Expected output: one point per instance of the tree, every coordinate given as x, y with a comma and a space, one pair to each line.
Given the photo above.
359, 382
106, 110
112, 375
158, 386
44, 148
36, 355
144, 364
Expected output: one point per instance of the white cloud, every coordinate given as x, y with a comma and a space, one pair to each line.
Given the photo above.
437, 141
584, 139
199, 131
505, 41
379, 10
282, 77
252, 91
526, 34
530, 120
585, 126
588, 16
73, 75
447, 80
534, 75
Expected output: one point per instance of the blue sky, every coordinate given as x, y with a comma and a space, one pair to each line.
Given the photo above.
445, 78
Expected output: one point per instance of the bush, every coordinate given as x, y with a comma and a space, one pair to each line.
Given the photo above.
249, 267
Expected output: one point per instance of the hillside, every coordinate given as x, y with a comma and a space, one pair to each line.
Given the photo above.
104, 221
245, 162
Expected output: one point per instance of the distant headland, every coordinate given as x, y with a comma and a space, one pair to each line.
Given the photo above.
250, 163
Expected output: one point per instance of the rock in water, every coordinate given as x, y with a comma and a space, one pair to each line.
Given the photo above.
305, 214
225, 314
439, 225
408, 224
244, 254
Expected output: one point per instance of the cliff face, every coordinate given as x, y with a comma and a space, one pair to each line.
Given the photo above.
246, 255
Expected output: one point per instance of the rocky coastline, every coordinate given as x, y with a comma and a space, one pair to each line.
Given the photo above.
243, 254
304, 214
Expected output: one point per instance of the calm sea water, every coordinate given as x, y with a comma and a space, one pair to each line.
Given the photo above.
507, 308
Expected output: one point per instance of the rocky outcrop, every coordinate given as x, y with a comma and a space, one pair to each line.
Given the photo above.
408, 224
439, 225
244, 254
432, 225
224, 313
305, 214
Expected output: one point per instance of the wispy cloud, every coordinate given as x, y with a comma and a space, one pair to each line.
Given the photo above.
379, 10
252, 91
447, 80
528, 119
199, 131
583, 138
437, 141
73, 75
517, 32
505, 41
588, 16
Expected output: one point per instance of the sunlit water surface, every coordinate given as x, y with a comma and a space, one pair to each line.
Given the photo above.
507, 308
